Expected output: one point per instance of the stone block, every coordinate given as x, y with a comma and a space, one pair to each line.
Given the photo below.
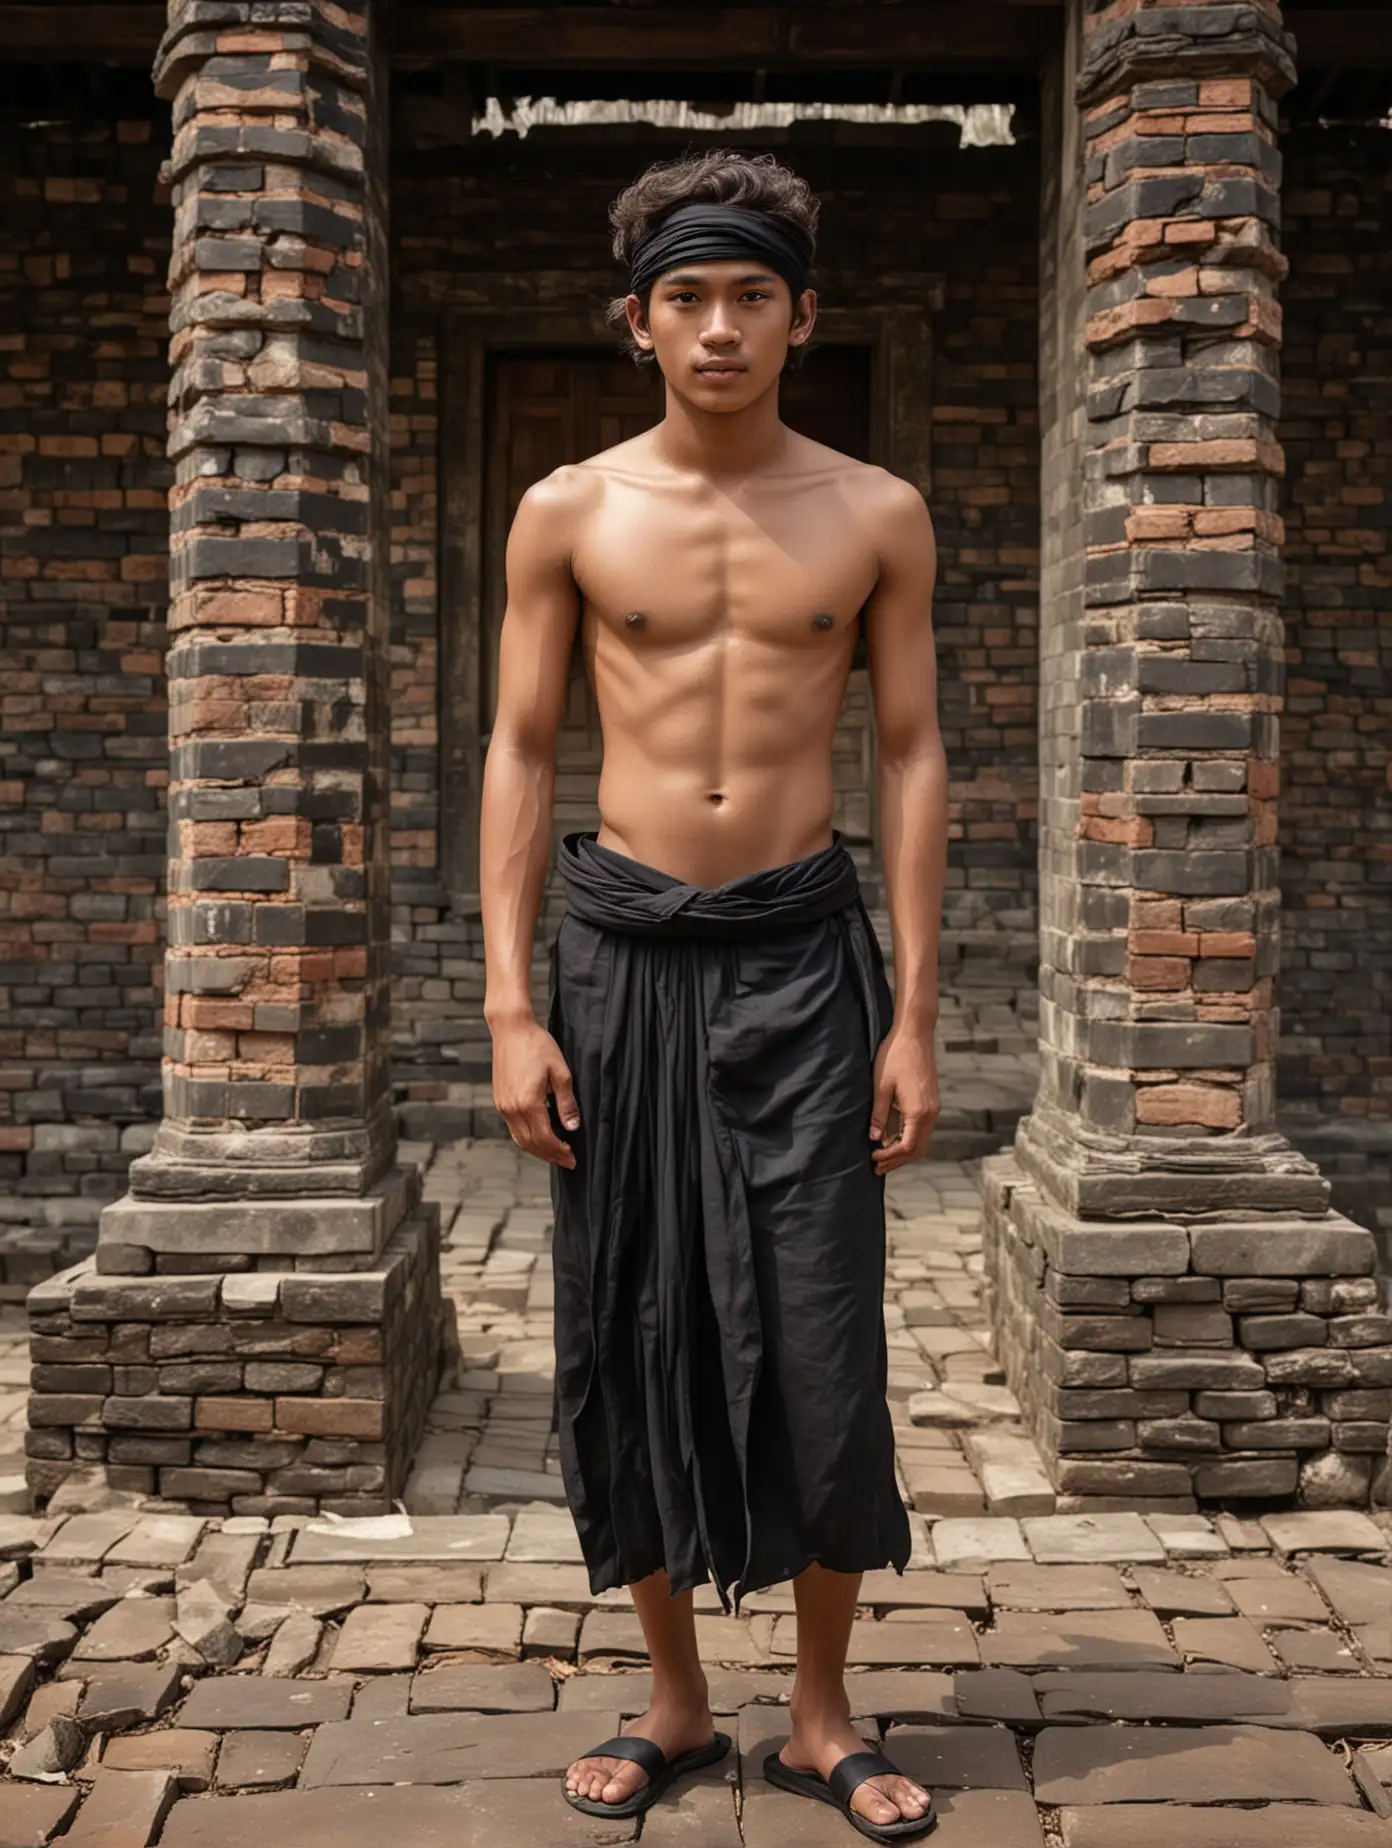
238, 1703
1258, 1294
259, 1760
1176, 1290
143, 1299
1194, 1372
1057, 1588
1332, 1247
1194, 1435
1077, 1639
1342, 1531
32, 1814
1278, 1434
1159, 1825
1234, 1764
1320, 1366
1256, 1477
431, 1748
378, 1638
159, 1412
1123, 1478
1248, 1406
122, 1696
123, 1807
1265, 1333
349, 1297
1192, 1325
484, 1688
502, 1813
16, 1681
266, 1227
1106, 1249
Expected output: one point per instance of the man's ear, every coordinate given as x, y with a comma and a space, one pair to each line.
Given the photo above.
804, 318
638, 323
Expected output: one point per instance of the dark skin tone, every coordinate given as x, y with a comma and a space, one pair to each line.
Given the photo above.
716, 566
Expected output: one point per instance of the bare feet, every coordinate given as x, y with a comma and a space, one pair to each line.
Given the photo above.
819, 1745
673, 1727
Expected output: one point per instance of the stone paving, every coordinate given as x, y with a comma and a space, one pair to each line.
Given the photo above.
1055, 1679
1060, 1679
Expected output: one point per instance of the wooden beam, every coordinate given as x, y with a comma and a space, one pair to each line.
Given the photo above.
1341, 37
118, 34
992, 33
995, 32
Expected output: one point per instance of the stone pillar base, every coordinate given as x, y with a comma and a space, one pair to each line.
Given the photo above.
306, 1233
1166, 1364
240, 1391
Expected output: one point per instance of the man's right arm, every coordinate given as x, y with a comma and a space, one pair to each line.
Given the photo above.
519, 781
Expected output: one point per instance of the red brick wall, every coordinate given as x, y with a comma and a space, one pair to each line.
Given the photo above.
84, 242
1336, 734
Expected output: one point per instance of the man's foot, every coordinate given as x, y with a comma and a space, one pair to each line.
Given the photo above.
675, 1729
821, 1746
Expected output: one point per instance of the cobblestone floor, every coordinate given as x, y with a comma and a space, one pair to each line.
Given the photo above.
1081, 1682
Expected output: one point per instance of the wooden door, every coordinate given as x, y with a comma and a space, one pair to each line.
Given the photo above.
546, 409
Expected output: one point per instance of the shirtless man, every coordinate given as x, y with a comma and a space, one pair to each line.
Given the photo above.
718, 1122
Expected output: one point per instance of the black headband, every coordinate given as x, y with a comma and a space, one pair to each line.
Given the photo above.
713, 233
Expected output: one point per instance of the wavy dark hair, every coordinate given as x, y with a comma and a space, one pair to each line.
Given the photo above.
719, 176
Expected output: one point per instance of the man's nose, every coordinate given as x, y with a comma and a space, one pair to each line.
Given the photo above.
720, 330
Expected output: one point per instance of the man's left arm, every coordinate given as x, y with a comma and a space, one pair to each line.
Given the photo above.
912, 777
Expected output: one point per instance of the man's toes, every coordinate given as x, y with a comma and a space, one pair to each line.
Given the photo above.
588, 1779
874, 1804
620, 1783
912, 1800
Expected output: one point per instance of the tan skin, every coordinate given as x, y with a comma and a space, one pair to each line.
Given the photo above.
717, 565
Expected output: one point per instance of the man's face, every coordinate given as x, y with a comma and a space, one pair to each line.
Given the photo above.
721, 331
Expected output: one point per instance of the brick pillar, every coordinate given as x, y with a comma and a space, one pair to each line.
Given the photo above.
260, 1328
1182, 1315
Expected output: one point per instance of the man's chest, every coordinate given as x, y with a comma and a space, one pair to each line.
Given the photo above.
668, 573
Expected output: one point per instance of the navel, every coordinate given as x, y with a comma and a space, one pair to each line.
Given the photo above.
822, 621
635, 619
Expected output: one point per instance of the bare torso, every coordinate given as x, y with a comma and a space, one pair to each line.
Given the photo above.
719, 624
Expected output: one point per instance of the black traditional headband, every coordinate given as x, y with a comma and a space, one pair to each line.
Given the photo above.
714, 233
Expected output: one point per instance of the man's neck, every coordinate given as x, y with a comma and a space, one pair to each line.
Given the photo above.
722, 445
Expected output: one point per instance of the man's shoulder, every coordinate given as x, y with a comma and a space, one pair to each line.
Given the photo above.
875, 488
575, 487
890, 513
888, 505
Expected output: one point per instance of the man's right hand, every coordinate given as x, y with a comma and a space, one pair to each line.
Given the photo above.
527, 1066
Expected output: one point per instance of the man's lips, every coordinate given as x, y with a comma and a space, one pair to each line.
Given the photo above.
716, 368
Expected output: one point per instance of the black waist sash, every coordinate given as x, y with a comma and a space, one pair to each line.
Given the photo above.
660, 1332
619, 893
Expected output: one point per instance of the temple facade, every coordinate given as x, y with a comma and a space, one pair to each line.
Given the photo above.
292, 311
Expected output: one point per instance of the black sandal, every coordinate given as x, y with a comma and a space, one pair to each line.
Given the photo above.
660, 1769
846, 1778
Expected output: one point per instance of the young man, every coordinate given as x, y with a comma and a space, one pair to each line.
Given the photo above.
722, 1057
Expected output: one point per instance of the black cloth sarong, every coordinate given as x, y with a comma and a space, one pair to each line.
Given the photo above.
719, 1247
